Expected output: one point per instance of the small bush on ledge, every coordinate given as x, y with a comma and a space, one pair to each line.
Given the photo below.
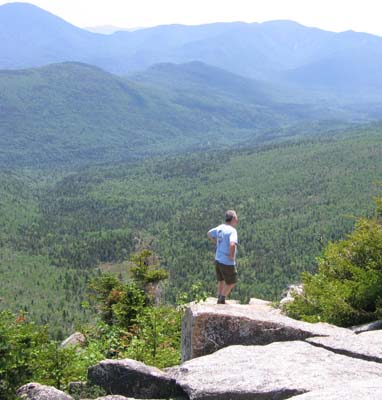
347, 290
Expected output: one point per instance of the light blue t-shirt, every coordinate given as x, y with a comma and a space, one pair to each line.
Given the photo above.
224, 235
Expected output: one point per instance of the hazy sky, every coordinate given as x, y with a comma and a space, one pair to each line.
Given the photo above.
333, 15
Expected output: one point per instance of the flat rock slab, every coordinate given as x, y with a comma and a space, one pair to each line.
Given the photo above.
211, 301
207, 328
368, 390
276, 371
132, 378
35, 391
366, 346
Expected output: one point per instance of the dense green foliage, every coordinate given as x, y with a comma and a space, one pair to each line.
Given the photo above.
291, 199
18, 204
130, 326
142, 330
27, 354
29, 282
347, 290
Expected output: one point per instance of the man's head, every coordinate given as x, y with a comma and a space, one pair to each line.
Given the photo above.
231, 217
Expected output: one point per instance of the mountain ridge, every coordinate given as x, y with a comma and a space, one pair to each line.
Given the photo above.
82, 112
266, 51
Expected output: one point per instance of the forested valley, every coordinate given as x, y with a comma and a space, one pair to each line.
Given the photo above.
61, 228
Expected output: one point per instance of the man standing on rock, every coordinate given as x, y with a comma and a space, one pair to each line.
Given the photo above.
224, 237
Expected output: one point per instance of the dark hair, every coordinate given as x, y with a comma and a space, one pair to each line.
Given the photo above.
229, 215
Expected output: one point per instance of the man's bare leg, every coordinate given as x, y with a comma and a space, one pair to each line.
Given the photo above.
221, 285
227, 289
224, 289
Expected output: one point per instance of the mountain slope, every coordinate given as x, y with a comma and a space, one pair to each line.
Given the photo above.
349, 71
73, 112
32, 37
200, 78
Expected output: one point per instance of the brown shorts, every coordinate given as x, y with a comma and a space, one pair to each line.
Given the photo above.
226, 273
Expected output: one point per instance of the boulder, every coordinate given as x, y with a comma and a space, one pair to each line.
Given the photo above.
371, 326
133, 378
76, 339
366, 346
114, 397
290, 292
35, 391
207, 328
275, 371
368, 390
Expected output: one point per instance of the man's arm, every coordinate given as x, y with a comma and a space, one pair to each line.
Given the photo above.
232, 250
211, 237
233, 245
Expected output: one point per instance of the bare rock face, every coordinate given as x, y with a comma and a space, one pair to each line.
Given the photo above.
35, 391
133, 378
292, 289
366, 346
275, 371
76, 339
367, 390
207, 328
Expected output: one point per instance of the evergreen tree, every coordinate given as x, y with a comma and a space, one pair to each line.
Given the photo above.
347, 289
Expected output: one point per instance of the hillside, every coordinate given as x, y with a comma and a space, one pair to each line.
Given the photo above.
291, 198
29, 283
76, 114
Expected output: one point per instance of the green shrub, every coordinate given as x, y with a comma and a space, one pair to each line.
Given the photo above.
132, 324
20, 343
28, 355
347, 290
156, 338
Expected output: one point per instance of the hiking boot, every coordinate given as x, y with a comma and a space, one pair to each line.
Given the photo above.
221, 299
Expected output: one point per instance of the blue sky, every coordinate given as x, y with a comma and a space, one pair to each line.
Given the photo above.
333, 15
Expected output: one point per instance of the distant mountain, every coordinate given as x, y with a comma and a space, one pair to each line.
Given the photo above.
76, 113
277, 51
31, 37
108, 29
197, 78
350, 70
311, 103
